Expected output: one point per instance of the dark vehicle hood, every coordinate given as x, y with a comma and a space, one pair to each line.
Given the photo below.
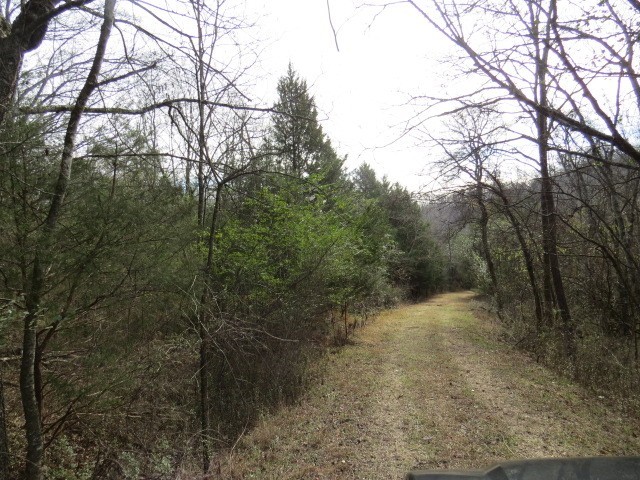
595, 468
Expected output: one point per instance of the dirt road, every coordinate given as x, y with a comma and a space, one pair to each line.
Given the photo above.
428, 386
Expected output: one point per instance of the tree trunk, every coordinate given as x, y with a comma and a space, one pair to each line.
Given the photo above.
526, 253
547, 204
202, 120
486, 251
205, 349
205, 403
10, 66
28, 388
528, 261
546, 194
28, 395
26, 33
623, 247
344, 319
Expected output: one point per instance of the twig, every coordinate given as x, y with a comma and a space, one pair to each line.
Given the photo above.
335, 35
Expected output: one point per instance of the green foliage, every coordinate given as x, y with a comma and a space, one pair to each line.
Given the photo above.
66, 463
415, 264
297, 139
274, 247
126, 289
115, 273
464, 267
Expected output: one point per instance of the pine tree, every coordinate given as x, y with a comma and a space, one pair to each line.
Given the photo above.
297, 137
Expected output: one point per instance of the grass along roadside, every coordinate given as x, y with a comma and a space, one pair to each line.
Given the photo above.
427, 386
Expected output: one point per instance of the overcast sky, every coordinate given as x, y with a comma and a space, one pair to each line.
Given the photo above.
360, 89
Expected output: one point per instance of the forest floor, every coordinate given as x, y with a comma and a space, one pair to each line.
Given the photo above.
428, 386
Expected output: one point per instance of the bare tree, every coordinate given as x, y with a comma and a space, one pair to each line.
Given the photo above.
472, 146
217, 147
43, 256
606, 56
525, 61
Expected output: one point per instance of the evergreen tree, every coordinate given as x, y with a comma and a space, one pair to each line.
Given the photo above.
297, 137
415, 265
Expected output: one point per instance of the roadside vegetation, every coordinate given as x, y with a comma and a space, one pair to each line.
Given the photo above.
176, 261
430, 386
539, 170
166, 308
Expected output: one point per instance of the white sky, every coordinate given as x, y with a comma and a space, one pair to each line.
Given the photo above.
360, 89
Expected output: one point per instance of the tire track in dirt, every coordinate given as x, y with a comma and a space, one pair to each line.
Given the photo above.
451, 429
428, 386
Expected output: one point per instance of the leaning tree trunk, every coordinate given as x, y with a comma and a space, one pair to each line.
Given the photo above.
28, 390
528, 261
526, 252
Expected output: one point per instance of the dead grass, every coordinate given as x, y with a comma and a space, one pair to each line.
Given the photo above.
427, 386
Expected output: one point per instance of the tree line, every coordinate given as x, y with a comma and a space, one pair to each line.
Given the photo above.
172, 256
541, 157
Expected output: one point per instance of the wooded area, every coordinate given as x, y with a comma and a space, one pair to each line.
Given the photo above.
173, 256
542, 160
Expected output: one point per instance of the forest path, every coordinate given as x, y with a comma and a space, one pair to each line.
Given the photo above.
428, 386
